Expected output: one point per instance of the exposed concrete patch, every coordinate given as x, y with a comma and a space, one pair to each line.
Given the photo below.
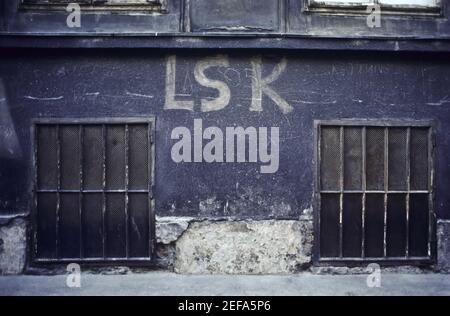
443, 246
244, 247
169, 229
13, 247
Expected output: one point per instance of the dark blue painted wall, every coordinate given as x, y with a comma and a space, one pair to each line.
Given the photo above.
124, 83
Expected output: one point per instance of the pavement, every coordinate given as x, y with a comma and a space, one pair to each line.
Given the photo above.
171, 284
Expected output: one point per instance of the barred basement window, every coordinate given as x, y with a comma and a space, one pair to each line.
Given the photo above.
93, 191
126, 5
375, 197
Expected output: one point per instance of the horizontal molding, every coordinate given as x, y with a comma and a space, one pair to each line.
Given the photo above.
220, 41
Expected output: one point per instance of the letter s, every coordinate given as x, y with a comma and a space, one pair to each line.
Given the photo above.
224, 91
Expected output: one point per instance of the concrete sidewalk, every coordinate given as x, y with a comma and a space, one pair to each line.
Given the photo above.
158, 283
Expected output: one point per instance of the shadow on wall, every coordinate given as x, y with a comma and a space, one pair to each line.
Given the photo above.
10, 152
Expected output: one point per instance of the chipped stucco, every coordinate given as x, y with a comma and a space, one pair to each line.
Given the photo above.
13, 246
244, 247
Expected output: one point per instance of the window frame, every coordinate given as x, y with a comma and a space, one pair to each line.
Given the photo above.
385, 261
34, 190
314, 6
150, 6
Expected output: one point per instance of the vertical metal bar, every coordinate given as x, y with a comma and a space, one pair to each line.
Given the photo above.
364, 188
341, 195
127, 237
386, 188
103, 191
408, 185
150, 186
58, 186
80, 200
36, 130
319, 190
431, 215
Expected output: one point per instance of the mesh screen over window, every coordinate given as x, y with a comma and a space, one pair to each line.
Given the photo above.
375, 192
93, 191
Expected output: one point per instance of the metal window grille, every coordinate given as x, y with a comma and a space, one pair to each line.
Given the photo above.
375, 192
93, 191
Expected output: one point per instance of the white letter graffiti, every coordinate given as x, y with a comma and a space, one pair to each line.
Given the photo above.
261, 85
224, 91
171, 103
